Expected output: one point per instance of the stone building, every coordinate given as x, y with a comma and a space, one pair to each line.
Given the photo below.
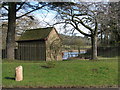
40, 44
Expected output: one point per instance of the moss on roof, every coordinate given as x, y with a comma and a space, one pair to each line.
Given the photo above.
35, 34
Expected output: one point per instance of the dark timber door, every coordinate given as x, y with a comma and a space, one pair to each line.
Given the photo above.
32, 50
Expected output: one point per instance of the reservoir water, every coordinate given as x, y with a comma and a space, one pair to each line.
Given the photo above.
67, 55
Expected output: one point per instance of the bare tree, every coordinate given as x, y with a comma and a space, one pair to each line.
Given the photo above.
12, 10
82, 14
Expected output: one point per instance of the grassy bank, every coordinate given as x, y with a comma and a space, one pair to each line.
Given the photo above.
73, 73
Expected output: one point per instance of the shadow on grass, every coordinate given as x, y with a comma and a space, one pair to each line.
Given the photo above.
49, 65
10, 78
44, 66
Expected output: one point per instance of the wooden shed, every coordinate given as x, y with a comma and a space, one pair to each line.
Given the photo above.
40, 44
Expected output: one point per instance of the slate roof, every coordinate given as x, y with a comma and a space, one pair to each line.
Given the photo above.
35, 34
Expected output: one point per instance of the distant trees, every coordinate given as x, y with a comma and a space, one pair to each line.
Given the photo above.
73, 40
79, 43
110, 32
114, 23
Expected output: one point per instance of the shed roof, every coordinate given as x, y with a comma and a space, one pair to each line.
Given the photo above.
35, 34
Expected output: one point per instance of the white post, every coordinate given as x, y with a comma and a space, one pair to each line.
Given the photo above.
19, 73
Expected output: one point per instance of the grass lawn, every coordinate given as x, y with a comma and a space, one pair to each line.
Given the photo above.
72, 73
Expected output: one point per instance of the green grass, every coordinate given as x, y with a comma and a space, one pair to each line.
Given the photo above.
73, 73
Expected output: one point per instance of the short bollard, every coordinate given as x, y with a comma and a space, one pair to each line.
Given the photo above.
19, 73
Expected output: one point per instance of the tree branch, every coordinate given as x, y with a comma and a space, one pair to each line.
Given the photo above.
20, 6
78, 29
81, 22
80, 14
5, 8
30, 11
96, 27
4, 19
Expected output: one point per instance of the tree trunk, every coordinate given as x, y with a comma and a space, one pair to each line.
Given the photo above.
94, 47
101, 37
10, 41
0, 42
78, 51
